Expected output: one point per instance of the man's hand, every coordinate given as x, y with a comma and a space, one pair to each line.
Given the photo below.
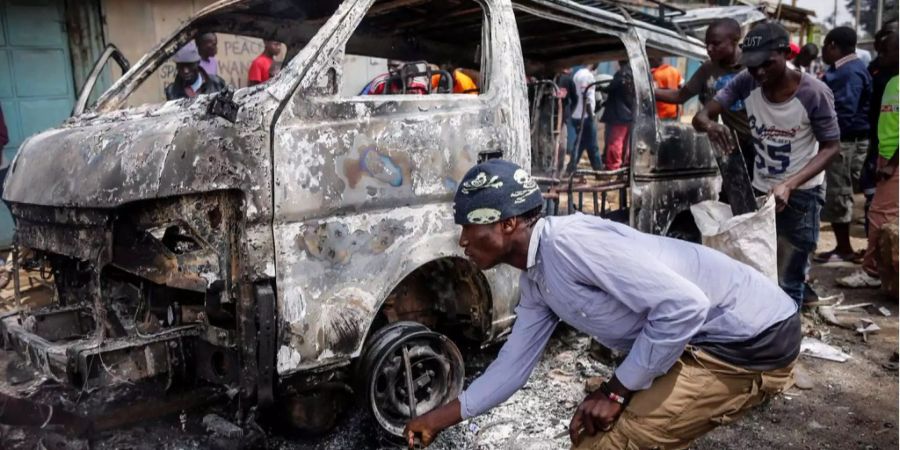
422, 428
721, 139
596, 413
427, 426
782, 193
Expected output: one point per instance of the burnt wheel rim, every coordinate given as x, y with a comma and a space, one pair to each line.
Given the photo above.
417, 370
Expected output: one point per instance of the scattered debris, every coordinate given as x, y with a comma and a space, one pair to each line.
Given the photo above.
884, 311
604, 355
592, 384
561, 375
18, 372
826, 312
865, 327
220, 427
831, 300
815, 425
849, 307
802, 379
818, 349
894, 363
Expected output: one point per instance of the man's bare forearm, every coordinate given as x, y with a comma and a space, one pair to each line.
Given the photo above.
706, 117
446, 416
670, 96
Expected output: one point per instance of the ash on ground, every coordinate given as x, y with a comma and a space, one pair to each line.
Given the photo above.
536, 417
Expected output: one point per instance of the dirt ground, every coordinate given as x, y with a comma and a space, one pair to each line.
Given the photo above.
851, 405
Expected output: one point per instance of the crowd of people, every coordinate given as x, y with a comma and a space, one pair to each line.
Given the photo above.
812, 133
197, 69
698, 328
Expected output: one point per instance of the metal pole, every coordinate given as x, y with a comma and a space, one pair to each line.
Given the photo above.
834, 17
857, 16
879, 13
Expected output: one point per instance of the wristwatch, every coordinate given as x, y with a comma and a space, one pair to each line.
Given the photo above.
604, 389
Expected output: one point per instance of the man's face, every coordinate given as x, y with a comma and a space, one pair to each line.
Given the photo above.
187, 72
208, 45
485, 245
273, 48
720, 45
830, 53
394, 65
771, 71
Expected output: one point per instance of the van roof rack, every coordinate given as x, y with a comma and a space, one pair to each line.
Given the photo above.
662, 18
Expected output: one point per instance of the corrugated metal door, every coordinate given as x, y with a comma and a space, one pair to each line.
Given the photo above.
36, 89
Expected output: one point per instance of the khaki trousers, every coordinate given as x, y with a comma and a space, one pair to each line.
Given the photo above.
699, 393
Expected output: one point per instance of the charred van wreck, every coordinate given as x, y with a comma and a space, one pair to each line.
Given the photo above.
294, 241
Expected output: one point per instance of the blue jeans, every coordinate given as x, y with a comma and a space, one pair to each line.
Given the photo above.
588, 140
797, 228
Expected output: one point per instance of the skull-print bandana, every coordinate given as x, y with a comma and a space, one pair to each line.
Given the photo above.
495, 190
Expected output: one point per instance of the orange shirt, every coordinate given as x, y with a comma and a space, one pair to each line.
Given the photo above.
666, 77
462, 83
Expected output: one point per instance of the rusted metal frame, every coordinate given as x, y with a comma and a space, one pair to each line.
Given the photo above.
109, 52
266, 342
410, 384
412, 26
391, 5
82, 358
150, 409
542, 35
17, 284
571, 13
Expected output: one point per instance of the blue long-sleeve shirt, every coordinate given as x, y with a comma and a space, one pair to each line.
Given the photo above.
851, 84
631, 291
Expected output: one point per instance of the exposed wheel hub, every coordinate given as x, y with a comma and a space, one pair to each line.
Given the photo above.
407, 367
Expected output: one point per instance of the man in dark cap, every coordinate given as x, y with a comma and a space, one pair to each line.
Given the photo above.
796, 135
707, 337
190, 79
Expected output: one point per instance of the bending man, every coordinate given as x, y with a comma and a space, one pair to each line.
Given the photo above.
696, 323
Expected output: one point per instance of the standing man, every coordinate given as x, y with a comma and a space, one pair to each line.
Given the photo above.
665, 77
208, 46
699, 327
570, 99
849, 80
804, 60
583, 118
796, 135
881, 72
722, 39
884, 208
618, 114
190, 79
261, 66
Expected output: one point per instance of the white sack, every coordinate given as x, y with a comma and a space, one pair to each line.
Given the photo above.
748, 238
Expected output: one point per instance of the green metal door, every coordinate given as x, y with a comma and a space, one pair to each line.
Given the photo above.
36, 88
